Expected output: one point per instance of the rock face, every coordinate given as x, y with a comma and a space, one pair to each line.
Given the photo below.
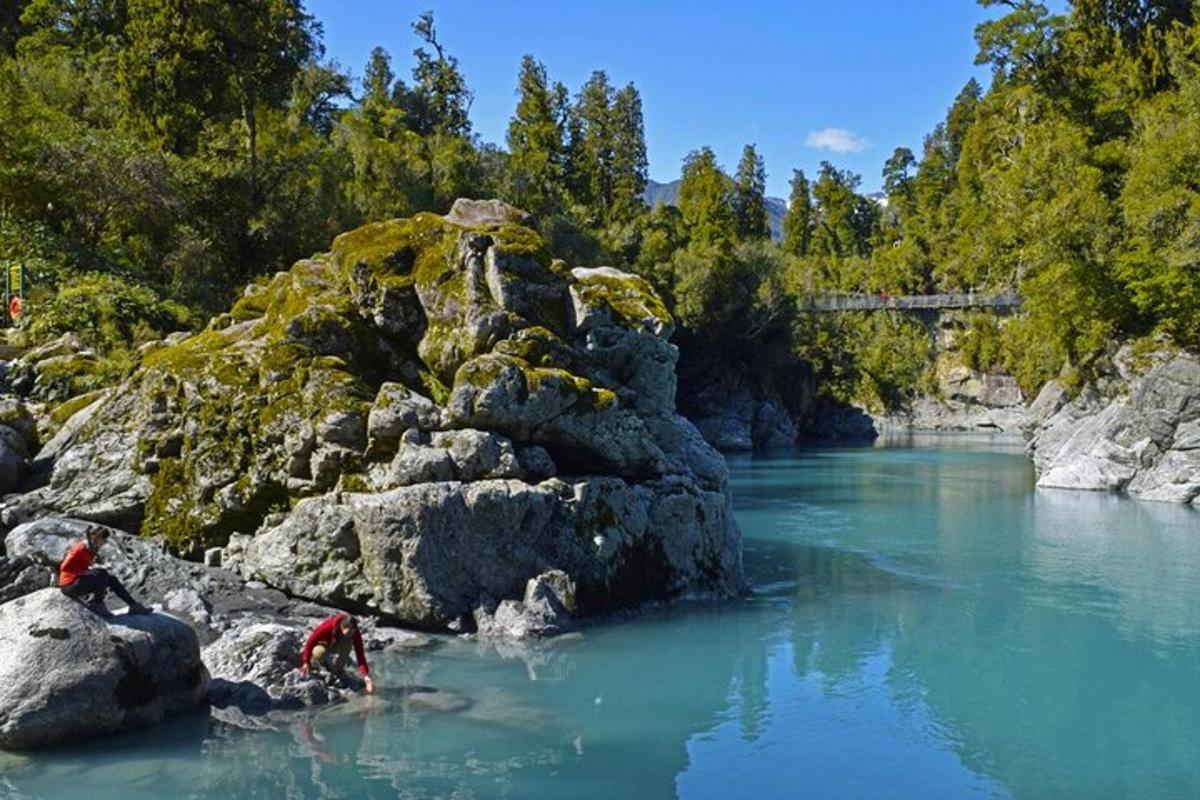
67, 674
966, 401
416, 423
1137, 431
737, 410
745, 423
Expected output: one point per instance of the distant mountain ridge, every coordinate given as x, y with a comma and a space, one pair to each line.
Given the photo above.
658, 193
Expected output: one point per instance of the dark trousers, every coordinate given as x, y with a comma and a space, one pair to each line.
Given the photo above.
95, 582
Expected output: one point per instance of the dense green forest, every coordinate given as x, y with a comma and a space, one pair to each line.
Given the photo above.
157, 155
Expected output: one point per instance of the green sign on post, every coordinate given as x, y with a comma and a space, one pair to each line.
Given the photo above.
14, 293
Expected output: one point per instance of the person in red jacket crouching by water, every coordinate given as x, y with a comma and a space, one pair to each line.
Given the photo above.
329, 645
77, 579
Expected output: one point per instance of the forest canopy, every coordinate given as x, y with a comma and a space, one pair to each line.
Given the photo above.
171, 158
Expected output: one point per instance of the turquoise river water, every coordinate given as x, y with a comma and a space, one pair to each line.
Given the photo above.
923, 624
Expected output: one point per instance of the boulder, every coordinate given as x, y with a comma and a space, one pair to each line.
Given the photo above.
397, 409
255, 671
67, 674
255, 668
483, 213
428, 554
22, 574
479, 454
536, 463
211, 600
546, 610
419, 463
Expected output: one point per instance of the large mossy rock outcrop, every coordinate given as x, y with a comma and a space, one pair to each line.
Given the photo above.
1135, 431
419, 422
67, 674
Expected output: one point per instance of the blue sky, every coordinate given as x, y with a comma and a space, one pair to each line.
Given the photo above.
805, 81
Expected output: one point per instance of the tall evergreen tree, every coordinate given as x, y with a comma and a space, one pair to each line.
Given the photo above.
389, 179
704, 201
592, 150
749, 196
897, 182
377, 79
630, 164
1021, 46
798, 222
440, 101
535, 141
846, 219
80, 26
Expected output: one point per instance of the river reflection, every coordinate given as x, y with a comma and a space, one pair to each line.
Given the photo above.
924, 623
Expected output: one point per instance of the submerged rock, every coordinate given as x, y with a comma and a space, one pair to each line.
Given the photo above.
67, 674
379, 427
1137, 431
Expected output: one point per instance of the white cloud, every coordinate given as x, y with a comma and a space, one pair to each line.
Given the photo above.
839, 140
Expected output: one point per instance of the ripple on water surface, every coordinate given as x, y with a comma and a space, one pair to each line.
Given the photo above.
923, 623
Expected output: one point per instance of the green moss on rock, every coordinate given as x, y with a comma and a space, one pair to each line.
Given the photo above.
394, 247
67, 409
631, 298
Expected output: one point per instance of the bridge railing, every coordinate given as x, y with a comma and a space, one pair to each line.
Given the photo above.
872, 302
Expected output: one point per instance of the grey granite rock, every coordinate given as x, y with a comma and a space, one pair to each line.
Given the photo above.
67, 674
545, 610
481, 213
1136, 432
426, 554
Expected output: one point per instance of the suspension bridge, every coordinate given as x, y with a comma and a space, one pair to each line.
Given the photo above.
837, 303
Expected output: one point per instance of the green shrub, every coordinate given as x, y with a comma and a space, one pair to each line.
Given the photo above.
108, 313
982, 348
1030, 356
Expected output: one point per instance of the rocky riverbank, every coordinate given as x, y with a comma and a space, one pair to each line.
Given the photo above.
214, 641
434, 425
1134, 430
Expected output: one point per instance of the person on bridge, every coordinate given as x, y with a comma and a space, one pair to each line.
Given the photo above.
77, 579
329, 645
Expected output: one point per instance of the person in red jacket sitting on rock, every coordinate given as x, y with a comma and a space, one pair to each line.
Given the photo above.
77, 579
329, 645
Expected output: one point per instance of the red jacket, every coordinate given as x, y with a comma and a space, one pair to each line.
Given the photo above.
329, 632
75, 563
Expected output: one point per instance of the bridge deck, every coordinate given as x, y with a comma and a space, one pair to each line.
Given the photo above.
872, 302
